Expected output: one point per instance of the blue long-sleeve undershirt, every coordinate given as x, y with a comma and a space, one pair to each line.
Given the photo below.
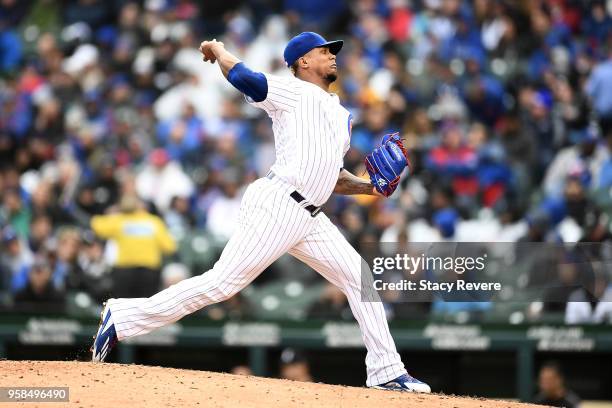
252, 84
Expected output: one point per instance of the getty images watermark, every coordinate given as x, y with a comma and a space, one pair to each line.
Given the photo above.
483, 272
407, 264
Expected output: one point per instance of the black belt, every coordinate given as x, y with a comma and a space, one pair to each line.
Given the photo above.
310, 208
300, 200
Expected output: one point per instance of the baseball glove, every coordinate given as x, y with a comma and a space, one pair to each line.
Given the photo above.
386, 163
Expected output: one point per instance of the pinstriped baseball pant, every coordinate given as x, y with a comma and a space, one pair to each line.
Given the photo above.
271, 223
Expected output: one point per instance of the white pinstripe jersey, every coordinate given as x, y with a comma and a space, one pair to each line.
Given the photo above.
311, 135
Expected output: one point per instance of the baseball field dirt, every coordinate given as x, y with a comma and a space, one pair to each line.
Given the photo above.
132, 386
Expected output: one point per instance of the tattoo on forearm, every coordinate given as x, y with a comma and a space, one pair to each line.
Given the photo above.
349, 184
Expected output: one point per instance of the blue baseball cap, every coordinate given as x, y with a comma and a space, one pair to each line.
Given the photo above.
8, 234
446, 220
304, 42
588, 135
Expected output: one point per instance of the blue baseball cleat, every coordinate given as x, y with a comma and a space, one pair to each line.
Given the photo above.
105, 339
406, 383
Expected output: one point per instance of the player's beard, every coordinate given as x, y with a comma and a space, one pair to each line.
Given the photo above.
331, 77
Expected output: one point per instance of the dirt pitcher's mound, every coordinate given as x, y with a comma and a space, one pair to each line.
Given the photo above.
131, 386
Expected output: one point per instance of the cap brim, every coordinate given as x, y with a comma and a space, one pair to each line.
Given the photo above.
334, 46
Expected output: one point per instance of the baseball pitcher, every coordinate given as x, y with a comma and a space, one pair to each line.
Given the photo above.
281, 213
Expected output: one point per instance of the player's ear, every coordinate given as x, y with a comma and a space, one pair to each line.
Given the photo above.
303, 63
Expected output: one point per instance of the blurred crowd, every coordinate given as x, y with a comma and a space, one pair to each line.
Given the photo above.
505, 106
